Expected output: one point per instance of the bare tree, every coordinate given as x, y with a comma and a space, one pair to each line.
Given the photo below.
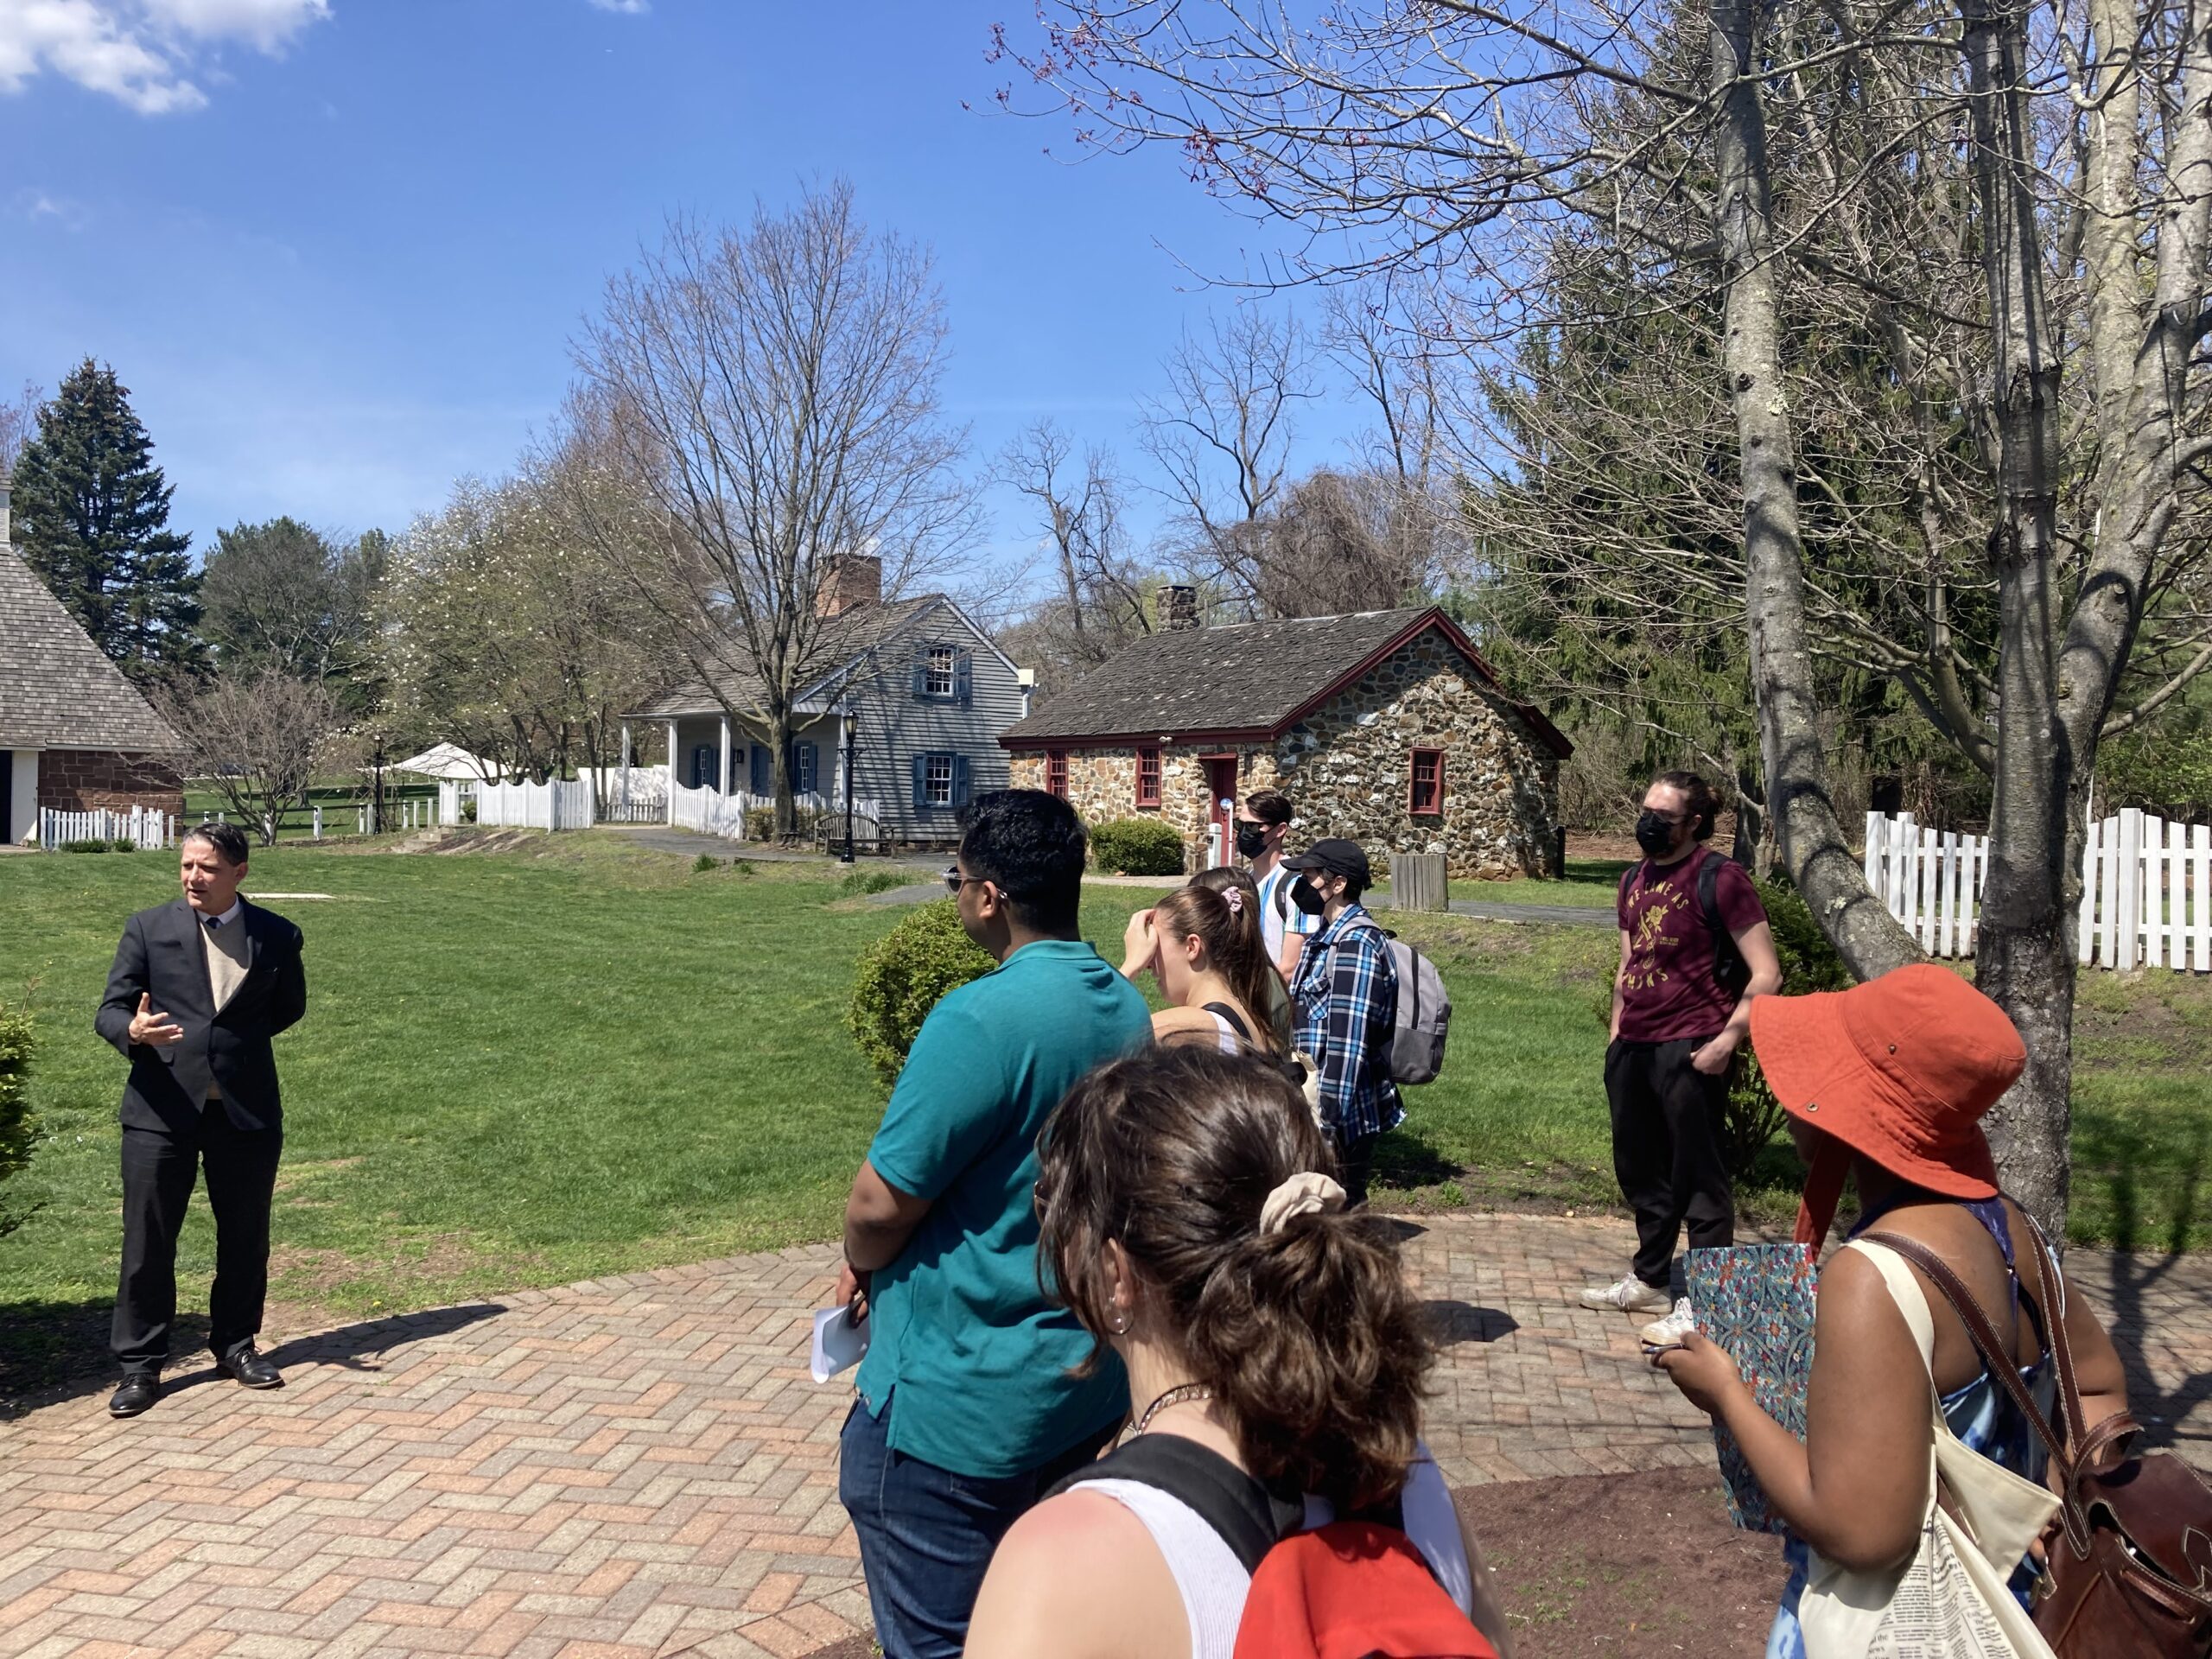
18, 424
1221, 436
1098, 602
772, 393
256, 739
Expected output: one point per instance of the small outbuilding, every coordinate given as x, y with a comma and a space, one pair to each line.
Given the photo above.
1386, 727
75, 736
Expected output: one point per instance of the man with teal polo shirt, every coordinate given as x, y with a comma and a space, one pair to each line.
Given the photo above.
968, 1410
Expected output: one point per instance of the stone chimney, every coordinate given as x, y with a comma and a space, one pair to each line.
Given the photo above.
848, 580
1178, 607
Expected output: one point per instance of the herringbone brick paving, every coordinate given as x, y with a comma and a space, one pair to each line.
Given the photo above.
639, 1466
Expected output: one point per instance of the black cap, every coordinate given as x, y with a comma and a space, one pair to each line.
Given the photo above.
1339, 857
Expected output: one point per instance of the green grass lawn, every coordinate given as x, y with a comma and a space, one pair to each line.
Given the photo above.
584, 1057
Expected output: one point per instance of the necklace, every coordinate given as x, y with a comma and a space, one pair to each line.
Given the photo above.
1174, 1396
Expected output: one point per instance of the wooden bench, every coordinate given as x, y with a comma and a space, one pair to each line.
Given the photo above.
868, 834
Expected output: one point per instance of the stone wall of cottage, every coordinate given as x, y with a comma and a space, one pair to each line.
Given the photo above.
1348, 765
91, 780
1348, 768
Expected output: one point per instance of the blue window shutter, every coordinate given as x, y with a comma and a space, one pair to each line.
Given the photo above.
963, 677
921, 784
807, 753
922, 677
960, 780
763, 774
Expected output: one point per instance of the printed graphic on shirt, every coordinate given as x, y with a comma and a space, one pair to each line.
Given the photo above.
1654, 931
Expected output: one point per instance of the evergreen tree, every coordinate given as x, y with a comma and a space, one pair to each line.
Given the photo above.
91, 515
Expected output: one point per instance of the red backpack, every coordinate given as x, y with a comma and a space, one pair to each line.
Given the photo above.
1355, 1589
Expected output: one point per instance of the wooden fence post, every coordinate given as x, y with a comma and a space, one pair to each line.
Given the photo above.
1418, 882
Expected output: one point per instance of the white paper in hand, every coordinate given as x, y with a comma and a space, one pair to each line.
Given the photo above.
838, 1343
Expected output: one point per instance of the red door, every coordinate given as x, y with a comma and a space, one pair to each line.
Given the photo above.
1221, 806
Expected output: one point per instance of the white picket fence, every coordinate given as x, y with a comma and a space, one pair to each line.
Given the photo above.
558, 804
711, 812
146, 830
2147, 888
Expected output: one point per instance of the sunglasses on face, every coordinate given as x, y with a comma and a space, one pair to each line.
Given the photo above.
954, 880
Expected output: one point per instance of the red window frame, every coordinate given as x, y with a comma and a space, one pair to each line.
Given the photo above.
1148, 775
1056, 772
1433, 805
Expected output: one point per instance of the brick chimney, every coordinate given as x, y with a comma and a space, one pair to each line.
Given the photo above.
848, 580
1178, 607
4, 512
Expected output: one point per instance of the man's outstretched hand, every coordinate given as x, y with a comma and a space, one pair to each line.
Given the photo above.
152, 1028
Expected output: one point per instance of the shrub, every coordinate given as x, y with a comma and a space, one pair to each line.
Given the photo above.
1753, 1116
760, 823
902, 977
704, 862
18, 1133
86, 844
862, 882
1136, 847
125, 844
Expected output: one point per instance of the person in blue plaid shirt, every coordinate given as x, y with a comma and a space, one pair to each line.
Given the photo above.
1346, 992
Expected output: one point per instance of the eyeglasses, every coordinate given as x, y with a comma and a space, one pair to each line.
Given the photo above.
954, 880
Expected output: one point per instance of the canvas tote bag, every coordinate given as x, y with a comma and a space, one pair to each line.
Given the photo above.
1949, 1601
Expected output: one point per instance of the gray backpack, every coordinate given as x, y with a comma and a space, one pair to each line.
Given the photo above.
1424, 1015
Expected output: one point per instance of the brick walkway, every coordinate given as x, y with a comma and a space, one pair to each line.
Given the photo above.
639, 1466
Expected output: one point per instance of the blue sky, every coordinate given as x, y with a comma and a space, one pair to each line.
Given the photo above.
337, 248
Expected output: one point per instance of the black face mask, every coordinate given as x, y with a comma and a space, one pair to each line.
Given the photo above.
1655, 834
1307, 897
1251, 840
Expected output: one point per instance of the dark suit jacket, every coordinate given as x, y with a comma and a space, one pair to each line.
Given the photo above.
164, 954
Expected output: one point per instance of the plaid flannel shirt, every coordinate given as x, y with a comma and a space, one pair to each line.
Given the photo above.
1346, 990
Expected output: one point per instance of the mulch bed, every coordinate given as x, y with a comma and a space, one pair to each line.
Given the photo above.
1610, 1567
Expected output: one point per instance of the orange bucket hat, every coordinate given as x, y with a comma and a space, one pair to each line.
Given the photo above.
1900, 1070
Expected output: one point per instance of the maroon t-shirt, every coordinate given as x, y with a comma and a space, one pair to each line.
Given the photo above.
1668, 989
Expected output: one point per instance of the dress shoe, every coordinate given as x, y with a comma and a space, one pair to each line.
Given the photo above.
139, 1390
254, 1371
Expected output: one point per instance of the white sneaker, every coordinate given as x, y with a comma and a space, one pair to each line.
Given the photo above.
1677, 1324
1631, 1295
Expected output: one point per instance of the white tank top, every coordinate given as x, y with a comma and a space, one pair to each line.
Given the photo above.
1213, 1582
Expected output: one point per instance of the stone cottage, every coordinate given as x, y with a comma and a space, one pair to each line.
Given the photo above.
1386, 727
75, 736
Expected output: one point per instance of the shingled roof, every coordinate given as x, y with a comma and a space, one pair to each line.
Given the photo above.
1250, 680
57, 690
843, 640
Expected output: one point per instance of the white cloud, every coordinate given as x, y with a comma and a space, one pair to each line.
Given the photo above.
141, 52
627, 8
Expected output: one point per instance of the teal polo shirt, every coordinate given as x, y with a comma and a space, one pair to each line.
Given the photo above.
970, 1359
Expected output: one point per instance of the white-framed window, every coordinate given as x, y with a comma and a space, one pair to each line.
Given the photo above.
941, 678
936, 780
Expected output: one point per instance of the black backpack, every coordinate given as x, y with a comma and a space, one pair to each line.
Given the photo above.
1730, 971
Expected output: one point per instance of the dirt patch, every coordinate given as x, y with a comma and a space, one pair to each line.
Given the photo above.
1610, 1566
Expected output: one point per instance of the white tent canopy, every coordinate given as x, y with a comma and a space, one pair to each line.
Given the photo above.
447, 761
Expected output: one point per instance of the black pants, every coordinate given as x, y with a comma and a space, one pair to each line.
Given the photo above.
1667, 1149
159, 1168
1355, 1163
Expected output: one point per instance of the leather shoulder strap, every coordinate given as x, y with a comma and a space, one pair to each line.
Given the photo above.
1236, 1019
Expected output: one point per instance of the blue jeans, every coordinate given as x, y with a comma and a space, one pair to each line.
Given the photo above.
926, 1533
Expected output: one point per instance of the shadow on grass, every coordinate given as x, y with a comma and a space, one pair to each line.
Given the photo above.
2139, 1266
54, 1351
1406, 1160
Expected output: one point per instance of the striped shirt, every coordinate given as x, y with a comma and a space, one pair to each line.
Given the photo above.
1346, 991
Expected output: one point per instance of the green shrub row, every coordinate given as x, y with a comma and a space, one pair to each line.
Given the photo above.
100, 845
902, 976
1136, 847
18, 1133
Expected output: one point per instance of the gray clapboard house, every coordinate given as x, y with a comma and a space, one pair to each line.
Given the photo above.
911, 692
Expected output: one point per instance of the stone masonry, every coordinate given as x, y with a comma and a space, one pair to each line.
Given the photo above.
1347, 766
91, 780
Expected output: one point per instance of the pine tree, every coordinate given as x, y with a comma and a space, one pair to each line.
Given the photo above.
91, 516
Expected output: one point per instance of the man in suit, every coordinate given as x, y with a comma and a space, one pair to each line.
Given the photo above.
198, 987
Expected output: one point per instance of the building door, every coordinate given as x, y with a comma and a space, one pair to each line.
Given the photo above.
1221, 807
9, 830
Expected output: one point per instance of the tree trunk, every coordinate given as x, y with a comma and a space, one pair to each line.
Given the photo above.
1799, 804
779, 750
2022, 958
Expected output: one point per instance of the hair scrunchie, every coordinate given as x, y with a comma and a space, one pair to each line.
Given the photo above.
1234, 898
1310, 1193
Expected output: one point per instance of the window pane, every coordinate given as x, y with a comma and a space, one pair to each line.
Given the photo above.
941, 662
937, 777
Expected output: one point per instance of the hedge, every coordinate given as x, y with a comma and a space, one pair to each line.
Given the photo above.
903, 976
1136, 847
18, 1133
